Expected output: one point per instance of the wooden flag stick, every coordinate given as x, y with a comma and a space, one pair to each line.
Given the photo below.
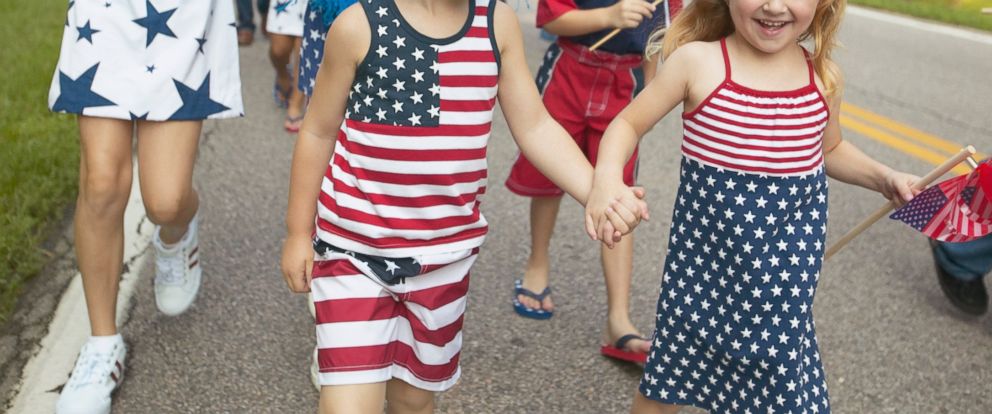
942, 169
615, 31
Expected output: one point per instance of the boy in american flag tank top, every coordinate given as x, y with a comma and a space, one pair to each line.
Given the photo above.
391, 161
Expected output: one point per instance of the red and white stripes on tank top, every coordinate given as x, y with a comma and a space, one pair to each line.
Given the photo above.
406, 190
765, 132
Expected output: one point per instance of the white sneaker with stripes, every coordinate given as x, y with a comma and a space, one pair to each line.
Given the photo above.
98, 372
177, 271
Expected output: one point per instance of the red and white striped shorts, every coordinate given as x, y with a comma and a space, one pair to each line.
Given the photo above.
368, 331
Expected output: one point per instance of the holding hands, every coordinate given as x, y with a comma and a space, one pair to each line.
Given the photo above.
613, 209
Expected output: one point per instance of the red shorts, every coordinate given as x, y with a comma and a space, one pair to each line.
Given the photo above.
583, 90
369, 331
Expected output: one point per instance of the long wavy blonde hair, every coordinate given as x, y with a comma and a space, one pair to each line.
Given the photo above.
709, 20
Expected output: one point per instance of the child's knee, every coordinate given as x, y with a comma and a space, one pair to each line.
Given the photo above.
403, 398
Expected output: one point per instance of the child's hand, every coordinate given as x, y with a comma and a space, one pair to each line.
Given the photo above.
621, 219
614, 211
898, 187
297, 263
628, 14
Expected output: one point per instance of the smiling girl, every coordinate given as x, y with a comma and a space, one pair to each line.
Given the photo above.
735, 328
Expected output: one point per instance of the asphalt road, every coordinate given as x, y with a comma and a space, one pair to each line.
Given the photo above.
890, 341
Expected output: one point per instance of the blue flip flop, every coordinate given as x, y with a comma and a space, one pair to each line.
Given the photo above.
280, 97
522, 310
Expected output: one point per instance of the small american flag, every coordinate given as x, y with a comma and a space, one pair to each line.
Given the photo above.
956, 210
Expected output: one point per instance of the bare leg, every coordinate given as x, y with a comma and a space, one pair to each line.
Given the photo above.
281, 48
403, 398
104, 187
166, 154
352, 399
618, 265
296, 98
643, 405
543, 213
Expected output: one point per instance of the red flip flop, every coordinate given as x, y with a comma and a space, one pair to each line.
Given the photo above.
293, 123
619, 350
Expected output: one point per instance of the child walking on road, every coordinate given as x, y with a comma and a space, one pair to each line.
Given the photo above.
285, 27
735, 328
156, 70
391, 161
584, 90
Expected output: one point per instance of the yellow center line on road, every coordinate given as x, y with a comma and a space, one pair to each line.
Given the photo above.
904, 138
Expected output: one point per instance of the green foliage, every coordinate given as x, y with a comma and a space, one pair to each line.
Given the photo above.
39, 151
958, 12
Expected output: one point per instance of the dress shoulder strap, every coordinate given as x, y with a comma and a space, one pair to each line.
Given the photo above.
726, 59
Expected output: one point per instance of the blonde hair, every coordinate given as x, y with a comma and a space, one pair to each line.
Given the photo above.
709, 20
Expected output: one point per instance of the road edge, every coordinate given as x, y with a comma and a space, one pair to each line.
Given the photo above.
922, 24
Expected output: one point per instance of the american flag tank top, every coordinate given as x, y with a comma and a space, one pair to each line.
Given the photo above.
410, 160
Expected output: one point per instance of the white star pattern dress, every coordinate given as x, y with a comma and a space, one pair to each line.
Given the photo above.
286, 17
735, 327
154, 60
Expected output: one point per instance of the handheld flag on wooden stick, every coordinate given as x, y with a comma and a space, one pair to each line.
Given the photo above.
955, 210
941, 169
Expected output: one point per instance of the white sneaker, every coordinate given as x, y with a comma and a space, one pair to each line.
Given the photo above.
177, 271
314, 371
99, 370
311, 306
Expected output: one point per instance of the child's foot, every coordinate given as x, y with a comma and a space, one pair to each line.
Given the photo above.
245, 37
625, 343
292, 123
538, 286
280, 95
177, 271
98, 372
535, 312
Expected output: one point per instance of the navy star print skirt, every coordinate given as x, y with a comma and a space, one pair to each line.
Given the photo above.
156, 60
734, 327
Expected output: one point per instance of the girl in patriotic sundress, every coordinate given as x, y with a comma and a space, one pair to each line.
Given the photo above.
285, 27
391, 161
157, 68
735, 328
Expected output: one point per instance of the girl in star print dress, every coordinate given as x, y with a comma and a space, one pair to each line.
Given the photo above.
735, 330
157, 68
285, 28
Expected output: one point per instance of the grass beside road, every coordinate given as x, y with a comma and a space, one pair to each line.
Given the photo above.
39, 151
959, 12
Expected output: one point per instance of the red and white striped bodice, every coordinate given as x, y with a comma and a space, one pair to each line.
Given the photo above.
763, 132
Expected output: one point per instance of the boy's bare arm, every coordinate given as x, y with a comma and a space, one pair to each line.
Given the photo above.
625, 14
315, 144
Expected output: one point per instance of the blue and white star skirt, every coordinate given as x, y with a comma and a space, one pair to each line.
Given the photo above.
286, 17
155, 60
